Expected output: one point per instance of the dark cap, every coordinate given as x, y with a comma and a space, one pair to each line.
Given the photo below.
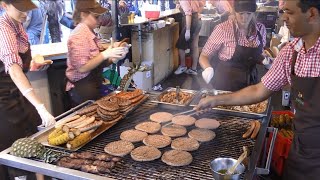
245, 5
22, 5
91, 6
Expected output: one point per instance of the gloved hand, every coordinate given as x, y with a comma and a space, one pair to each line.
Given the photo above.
117, 52
207, 74
187, 35
126, 50
47, 118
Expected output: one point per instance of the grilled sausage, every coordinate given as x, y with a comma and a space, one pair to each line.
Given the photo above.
66, 120
256, 129
91, 126
104, 157
107, 165
250, 130
83, 155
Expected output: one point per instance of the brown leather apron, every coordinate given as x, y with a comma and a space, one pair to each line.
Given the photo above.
87, 88
304, 157
240, 71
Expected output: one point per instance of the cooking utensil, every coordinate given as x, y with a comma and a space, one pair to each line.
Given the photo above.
177, 94
240, 159
220, 165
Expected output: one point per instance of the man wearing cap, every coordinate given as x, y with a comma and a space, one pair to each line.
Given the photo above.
20, 108
85, 62
297, 65
235, 46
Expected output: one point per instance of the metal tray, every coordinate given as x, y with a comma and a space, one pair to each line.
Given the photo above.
198, 97
43, 135
174, 106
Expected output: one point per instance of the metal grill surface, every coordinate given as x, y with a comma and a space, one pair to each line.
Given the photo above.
228, 143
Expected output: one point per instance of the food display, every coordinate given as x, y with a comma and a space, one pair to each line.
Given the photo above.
145, 153
253, 130
173, 130
88, 162
119, 148
177, 158
133, 135
202, 135
207, 123
183, 120
161, 117
284, 123
74, 131
157, 141
185, 144
253, 108
171, 97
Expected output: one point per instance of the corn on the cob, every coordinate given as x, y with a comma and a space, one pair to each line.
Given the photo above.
79, 140
55, 133
62, 139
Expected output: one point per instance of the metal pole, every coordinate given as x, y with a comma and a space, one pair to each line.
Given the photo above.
114, 11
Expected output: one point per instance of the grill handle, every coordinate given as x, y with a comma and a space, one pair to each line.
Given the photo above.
266, 170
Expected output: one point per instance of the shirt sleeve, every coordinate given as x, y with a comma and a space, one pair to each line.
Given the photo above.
263, 31
186, 6
9, 48
79, 53
214, 42
276, 77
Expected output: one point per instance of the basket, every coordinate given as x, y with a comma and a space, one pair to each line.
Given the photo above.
152, 14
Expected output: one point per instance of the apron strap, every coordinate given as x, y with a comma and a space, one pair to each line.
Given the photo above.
293, 63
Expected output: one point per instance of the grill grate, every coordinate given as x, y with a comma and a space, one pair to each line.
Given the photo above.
228, 143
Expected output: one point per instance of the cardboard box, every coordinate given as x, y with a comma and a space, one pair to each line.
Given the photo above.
143, 80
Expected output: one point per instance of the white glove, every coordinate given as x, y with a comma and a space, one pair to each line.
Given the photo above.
117, 52
207, 74
187, 35
47, 118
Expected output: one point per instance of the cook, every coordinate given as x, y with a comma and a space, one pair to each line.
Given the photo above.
85, 62
21, 110
297, 64
235, 46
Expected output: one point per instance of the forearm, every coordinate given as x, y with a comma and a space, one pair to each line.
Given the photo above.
93, 63
188, 22
23, 84
204, 61
249, 95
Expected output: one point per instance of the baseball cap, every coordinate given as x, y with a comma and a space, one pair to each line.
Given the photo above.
245, 5
22, 5
91, 6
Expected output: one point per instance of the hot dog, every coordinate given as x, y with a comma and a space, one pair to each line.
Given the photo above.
256, 129
250, 130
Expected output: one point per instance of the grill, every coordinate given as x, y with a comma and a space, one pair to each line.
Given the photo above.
227, 143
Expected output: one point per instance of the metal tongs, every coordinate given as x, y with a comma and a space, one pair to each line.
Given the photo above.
177, 94
240, 159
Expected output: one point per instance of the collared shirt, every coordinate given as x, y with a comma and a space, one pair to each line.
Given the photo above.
192, 6
222, 40
307, 64
13, 40
82, 46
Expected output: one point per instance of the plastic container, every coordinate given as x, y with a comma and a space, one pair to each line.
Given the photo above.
152, 14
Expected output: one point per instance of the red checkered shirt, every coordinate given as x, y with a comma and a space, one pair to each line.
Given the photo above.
82, 46
223, 42
191, 6
307, 65
13, 40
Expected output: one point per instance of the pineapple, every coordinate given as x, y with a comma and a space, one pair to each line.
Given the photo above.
30, 148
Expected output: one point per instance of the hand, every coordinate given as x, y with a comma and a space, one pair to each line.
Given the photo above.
207, 74
206, 103
117, 53
47, 118
39, 64
187, 35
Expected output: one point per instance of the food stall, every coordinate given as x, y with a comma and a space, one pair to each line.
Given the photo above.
228, 141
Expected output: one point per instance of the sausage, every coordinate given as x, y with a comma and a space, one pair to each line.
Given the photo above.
86, 122
104, 157
77, 122
68, 165
250, 130
83, 155
66, 120
116, 159
108, 165
256, 129
90, 169
91, 126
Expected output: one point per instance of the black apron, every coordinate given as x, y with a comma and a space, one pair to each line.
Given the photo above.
87, 88
240, 71
18, 116
304, 157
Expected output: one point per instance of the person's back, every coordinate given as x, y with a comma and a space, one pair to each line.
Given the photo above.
34, 27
